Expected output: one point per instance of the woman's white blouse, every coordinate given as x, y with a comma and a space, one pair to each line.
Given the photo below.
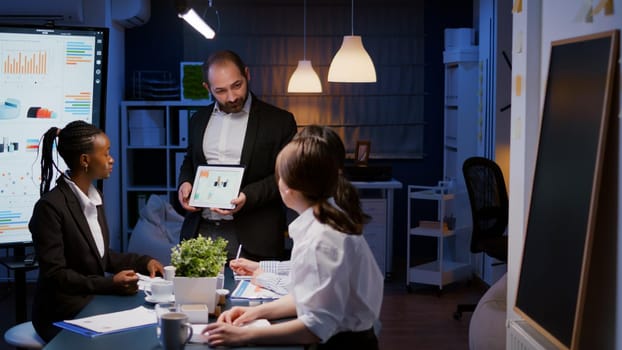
335, 280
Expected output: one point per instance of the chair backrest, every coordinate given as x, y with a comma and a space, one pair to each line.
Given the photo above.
488, 198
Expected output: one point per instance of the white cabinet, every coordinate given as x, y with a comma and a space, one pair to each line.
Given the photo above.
452, 259
377, 201
153, 143
375, 231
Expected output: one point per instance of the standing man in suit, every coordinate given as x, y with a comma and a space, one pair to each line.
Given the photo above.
238, 129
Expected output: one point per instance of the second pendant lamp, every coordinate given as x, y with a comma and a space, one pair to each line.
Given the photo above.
304, 79
352, 63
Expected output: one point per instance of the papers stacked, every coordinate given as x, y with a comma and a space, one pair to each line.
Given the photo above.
248, 290
110, 323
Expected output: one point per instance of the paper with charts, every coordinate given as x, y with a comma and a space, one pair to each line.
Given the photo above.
247, 290
216, 186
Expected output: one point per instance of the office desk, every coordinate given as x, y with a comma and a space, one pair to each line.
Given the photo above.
386, 189
137, 339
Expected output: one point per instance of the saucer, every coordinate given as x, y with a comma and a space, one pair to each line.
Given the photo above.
152, 300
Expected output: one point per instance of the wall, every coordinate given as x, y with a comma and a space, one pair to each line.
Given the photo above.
539, 23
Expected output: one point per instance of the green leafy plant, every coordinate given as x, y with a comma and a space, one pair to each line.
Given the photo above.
199, 257
192, 82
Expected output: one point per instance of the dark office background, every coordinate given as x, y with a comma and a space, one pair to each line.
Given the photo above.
251, 26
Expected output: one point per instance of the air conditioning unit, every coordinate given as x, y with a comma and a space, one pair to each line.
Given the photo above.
131, 13
66, 11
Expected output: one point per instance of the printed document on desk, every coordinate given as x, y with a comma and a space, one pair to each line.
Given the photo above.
247, 290
114, 322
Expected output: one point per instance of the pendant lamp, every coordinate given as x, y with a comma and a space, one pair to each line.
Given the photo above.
304, 79
352, 63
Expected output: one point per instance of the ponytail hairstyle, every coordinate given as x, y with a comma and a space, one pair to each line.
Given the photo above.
307, 165
75, 139
346, 195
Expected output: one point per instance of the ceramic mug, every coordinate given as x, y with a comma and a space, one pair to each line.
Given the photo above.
169, 272
160, 290
175, 331
161, 309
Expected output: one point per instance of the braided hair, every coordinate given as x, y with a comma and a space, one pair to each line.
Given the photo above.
307, 165
75, 139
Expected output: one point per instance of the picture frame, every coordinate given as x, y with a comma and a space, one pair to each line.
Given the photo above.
216, 186
191, 83
361, 153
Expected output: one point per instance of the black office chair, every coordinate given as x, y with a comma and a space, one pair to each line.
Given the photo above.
489, 209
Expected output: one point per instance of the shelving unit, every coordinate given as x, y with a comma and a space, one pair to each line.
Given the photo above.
463, 133
452, 259
153, 144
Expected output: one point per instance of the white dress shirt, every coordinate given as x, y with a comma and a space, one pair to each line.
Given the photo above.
275, 275
335, 280
223, 141
89, 208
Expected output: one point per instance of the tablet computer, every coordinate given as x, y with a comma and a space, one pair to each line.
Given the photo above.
215, 186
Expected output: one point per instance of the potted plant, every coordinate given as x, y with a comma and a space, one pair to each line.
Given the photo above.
198, 263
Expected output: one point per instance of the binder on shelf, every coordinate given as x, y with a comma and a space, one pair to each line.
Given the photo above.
184, 115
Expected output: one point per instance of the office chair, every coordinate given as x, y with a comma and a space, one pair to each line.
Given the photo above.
489, 209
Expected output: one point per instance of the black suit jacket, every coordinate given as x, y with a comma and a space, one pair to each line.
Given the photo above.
70, 268
260, 224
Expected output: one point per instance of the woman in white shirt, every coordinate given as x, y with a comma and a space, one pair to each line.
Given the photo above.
336, 286
274, 275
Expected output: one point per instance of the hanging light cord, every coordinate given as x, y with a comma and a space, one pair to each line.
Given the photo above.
352, 14
304, 31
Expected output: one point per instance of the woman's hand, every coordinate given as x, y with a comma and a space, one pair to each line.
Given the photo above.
154, 266
243, 266
126, 281
224, 334
239, 315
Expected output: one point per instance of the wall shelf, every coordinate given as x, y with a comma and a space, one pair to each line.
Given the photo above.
154, 138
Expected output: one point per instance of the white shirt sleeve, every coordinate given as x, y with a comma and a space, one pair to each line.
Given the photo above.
273, 282
276, 267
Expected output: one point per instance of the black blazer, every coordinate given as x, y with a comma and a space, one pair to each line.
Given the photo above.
260, 224
70, 268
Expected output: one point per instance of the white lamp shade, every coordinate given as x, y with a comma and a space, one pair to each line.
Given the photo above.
304, 79
198, 23
352, 63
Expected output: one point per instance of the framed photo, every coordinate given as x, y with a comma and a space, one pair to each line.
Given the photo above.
191, 81
361, 153
216, 186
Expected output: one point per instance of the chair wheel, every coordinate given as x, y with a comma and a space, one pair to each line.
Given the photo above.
457, 315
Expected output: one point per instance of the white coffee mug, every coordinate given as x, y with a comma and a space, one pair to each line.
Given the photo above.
169, 272
176, 331
160, 290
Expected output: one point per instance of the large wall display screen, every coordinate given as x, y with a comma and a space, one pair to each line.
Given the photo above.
48, 77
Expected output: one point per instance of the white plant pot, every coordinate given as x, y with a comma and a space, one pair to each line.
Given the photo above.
196, 290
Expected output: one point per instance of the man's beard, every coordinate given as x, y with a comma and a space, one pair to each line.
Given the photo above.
233, 107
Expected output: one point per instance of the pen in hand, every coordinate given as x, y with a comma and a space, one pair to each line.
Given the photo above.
237, 256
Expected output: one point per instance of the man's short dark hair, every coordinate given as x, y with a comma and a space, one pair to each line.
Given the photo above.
220, 57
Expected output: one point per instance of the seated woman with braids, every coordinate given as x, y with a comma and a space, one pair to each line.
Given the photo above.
70, 232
